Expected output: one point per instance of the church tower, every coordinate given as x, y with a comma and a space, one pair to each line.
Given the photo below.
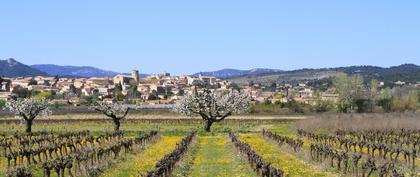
135, 75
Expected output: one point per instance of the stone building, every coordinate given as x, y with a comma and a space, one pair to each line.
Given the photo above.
126, 79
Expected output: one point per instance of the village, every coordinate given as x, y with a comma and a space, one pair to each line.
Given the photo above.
153, 89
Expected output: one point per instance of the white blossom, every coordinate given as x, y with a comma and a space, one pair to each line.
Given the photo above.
29, 108
213, 106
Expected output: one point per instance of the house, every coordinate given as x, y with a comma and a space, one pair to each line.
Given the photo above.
305, 93
207, 80
104, 91
41, 80
23, 82
67, 87
329, 97
78, 83
87, 91
38, 87
6, 95
5, 85
190, 80
399, 83
96, 82
108, 100
144, 88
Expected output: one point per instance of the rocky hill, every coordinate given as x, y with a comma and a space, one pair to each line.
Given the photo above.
12, 68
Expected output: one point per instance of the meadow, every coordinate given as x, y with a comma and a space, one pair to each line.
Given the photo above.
309, 147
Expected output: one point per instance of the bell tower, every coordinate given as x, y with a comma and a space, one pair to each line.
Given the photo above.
135, 74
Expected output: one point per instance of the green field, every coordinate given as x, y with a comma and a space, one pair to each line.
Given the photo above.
209, 154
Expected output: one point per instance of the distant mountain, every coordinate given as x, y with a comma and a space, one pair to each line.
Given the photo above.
406, 72
74, 71
77, 71
231, 73
13, 68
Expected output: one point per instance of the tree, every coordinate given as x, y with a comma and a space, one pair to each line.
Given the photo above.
213, 106
33, 82
321, 105
21, 92
294, 106
28, 109
43, 95
181, 92
119, 96
2, 103
385, 100
349, 89
405, 102
115, 111
134, 93
153, 95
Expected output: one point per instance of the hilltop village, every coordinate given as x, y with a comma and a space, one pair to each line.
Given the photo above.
164, 89
153, 89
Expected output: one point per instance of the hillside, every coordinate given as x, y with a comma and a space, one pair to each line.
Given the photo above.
73, 71
13, 68
406, 72
231, 73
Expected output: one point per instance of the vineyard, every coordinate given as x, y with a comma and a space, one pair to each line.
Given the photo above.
170, 147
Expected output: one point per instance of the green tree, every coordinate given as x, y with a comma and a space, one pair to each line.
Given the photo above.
152, 96
134, 93
181, 92
21, 92
321, 105
119, 96
118, 87
405, 102
363, 105
43, 95
372, 95
2, 103
385, 100
33, 82
294, 106
349, 89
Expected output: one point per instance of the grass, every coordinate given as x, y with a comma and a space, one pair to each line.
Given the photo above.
145, 161
135, 128
168, 115
3, 163
212, 154
288, 163
216, 156
372, 121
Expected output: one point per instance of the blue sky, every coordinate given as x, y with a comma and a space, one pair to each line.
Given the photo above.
184, 37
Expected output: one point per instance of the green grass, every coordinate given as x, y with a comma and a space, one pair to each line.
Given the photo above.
3, 163
135, 128
282, 160
168, 129
216, 156
145, 161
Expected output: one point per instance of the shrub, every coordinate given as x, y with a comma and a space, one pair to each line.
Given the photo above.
2, 103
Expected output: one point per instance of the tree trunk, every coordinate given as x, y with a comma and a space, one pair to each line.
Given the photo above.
28, 125
207, 125
117, 124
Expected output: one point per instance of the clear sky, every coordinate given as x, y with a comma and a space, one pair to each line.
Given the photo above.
184, 37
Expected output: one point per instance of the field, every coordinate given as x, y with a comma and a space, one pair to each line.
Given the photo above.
240, 147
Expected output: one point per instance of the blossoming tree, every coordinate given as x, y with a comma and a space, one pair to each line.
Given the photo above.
28, 109
213, 106
115, 111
